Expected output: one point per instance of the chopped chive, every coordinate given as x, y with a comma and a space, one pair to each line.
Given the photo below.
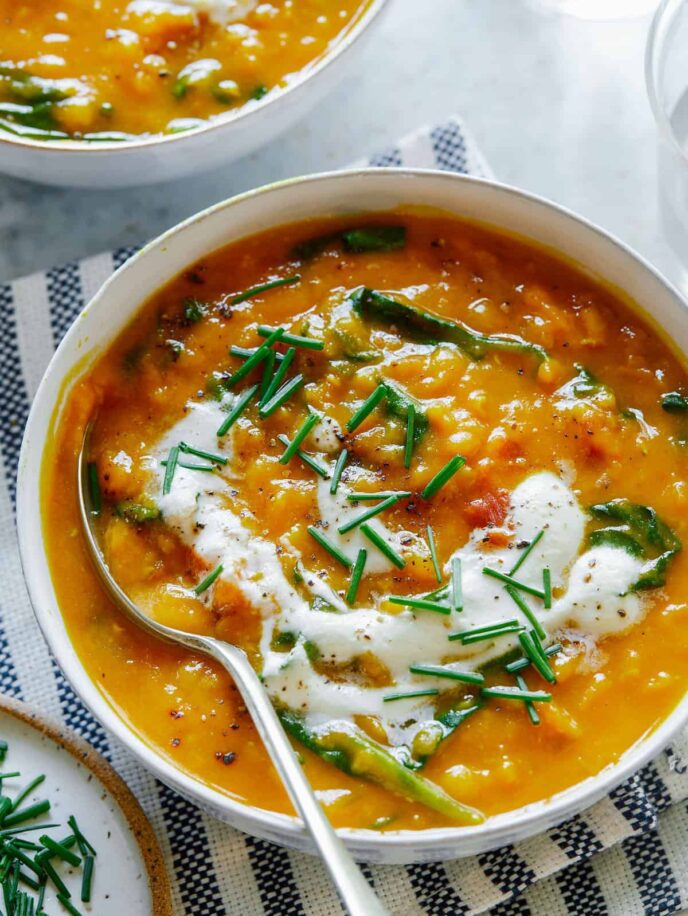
59, 850
512, 623
4, 746
441, 477
14, 879
488, 632
467, 677
526, 553
295, 340
307, 460
512, 693
205, 584
236, 411
47, 867
438, 594
537, 656
542, 664
530, 706
383, 546
456, 584
433, 553
526, 611
410, 430
7, 896
171, 467
357, 575
539, 645
529, 651
331, 548
27, 791
303, 432
22, 844
268, 372
189, 466
278, 377
520, 663
494, 634
199, 453
411, 694
547, 586
67, 842
25, 844
369, 513
421, 604
94, 490
370, 497
5, 864
263, 288
338, 468
280, 396
256, 358
30, 882
41, 897
25, 860
26, 814
68, 905
367, 407
245, 352
84, 845
14, 830
520, 586
87, 879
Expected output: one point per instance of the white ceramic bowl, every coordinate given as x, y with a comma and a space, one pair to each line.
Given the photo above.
81, 164
338, 193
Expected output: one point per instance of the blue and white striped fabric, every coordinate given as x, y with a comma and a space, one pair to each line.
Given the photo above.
627, 855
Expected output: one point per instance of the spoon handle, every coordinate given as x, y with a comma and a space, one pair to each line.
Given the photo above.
356, 893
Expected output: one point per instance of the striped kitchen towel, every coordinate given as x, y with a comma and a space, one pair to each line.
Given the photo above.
626, 855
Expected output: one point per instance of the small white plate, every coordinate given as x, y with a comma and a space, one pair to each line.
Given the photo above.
129, 875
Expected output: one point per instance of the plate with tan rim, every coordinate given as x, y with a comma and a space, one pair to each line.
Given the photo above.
129, 874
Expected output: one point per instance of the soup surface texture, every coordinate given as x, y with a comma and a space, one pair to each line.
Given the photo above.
112, 69
432, 480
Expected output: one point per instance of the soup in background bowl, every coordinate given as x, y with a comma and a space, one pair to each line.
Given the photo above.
402, 458
117, 71
114, 94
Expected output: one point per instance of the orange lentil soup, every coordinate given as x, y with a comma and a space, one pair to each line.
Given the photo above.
430, 478
111, 69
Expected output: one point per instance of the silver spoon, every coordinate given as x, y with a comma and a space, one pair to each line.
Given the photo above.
355, 892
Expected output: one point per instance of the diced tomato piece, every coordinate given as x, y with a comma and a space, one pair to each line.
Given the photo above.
489, 509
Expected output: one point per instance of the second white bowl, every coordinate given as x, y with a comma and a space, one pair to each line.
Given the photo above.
84, 164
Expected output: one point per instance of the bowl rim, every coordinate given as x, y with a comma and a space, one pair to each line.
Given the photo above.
526, 820
248, 111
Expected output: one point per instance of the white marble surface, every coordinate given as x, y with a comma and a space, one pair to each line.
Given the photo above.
558, 106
